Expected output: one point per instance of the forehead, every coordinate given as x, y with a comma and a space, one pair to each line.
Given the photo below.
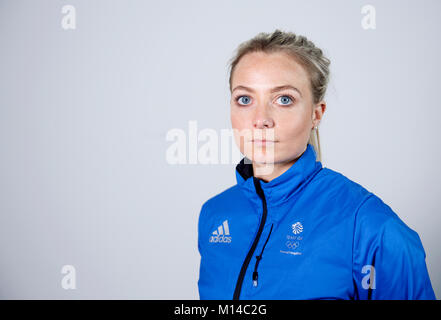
265, 70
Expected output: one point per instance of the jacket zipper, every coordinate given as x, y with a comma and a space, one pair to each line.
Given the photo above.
243, 270
258, 258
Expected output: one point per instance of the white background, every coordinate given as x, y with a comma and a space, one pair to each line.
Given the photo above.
84, 114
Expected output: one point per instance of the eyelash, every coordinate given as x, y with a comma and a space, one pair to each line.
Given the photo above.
236, 98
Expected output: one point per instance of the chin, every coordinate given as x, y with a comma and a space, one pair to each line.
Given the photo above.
262, 158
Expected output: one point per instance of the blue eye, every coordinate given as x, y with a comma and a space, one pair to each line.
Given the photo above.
246, 99
286, 100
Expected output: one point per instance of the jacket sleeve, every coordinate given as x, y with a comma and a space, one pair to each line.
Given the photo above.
388, 257
202, 280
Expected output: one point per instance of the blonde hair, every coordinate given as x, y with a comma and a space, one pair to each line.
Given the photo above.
303, 51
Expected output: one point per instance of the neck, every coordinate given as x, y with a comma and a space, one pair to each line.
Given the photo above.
270, 171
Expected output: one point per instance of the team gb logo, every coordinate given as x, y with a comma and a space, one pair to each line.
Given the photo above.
297, 228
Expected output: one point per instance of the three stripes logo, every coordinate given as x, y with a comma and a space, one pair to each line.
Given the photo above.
222, 234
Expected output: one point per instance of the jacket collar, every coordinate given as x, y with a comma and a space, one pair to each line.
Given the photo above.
284, 186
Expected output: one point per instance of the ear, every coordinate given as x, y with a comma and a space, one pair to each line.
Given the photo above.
317, 113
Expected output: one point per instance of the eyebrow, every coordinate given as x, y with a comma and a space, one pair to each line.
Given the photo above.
275, 89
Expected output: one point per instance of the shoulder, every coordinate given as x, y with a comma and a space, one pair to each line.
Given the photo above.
222, 197
371, 214
220, 202
339, 180
378, 227
339, 190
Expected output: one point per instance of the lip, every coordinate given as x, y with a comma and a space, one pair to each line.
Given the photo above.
263, 142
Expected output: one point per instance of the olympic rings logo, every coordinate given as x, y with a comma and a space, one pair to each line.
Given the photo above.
292, 244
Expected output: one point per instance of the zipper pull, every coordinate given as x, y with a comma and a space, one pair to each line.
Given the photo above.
258, 258
255, 276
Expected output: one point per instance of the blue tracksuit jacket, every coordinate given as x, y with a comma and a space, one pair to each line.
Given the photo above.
310, 233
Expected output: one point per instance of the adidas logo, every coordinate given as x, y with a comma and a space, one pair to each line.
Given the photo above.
222, 234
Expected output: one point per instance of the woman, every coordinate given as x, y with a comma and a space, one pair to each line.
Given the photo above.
290, 228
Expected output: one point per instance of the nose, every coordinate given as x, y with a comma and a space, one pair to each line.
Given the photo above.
262, 118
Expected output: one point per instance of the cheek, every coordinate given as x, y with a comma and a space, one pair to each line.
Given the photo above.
295, 126
238, 121
242, 131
